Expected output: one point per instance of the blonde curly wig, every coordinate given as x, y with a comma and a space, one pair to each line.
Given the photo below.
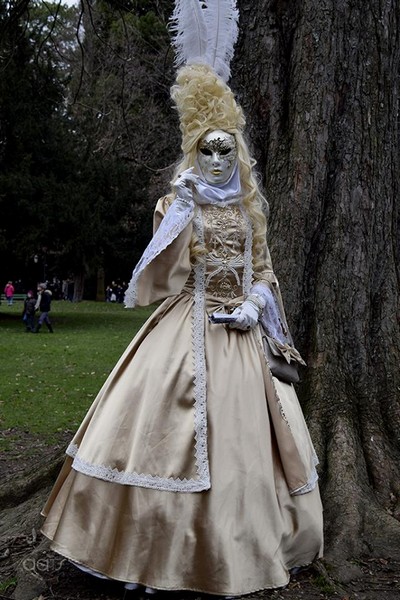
205, 103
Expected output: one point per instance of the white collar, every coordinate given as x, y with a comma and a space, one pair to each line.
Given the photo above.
223, 195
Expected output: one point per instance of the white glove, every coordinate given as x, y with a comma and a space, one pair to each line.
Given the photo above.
247, 316
183, 185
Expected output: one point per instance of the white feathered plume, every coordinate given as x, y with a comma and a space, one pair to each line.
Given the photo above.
205, 31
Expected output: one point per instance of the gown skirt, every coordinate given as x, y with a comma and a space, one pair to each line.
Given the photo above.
241, 535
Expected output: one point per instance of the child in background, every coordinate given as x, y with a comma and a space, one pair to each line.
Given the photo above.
28, 315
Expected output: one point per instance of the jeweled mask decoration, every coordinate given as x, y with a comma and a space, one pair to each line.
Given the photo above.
217, 156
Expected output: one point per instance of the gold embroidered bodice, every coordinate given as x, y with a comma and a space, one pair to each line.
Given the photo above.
224, 238
224, 230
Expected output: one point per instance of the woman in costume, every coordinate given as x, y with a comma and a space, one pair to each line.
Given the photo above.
194, 469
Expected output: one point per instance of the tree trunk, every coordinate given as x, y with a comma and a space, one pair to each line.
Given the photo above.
101, 286
319, 81
15, 490
79, 286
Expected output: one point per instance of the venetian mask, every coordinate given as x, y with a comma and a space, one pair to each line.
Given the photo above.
216, 155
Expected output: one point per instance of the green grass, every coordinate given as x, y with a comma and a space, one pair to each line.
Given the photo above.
5, 585
48, 381
323, 584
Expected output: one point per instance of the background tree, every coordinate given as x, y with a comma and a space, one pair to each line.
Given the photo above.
75, 187
37, 156
320, 83
120, 102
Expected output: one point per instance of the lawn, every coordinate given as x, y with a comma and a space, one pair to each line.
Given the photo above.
48, 381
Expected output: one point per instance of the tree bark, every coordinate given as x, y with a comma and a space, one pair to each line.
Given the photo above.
319, 81
15, 490
101, 286
79, 286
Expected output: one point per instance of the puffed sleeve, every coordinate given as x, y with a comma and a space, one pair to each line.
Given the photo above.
265, 275
167, 274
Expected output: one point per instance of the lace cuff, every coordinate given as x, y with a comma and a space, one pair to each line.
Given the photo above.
272, 319
259, 296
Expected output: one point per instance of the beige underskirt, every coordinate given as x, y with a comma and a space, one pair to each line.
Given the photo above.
241, 535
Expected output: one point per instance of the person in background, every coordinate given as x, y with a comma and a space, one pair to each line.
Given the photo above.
64, 289
120, 293
113, 297
9, 293
108, 293
43, 304
28, 315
